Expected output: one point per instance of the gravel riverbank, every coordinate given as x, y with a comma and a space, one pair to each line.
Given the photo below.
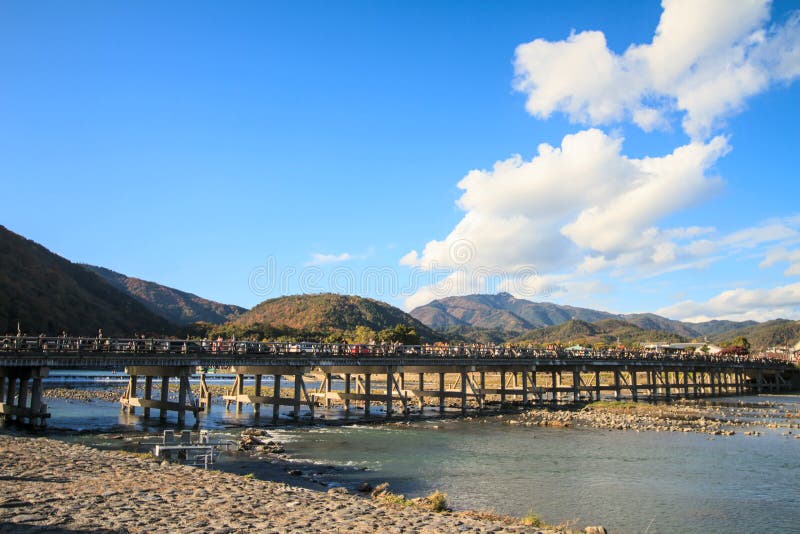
51, 486
685, 416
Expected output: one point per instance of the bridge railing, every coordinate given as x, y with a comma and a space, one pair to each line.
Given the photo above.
82, 345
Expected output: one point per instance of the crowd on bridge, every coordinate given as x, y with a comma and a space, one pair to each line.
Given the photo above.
65, 344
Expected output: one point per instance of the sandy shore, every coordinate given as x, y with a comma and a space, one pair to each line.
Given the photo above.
51, 486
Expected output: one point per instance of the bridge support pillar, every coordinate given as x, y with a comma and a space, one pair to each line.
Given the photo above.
597, 389
276, 398
257, 403
183, 391
463, 393
328, 388
524, 389
576, 385
205, 394
162, 410
298, 379
22, 394
389, 386
239, 392
186, 401
16, 383
347, 392
482, 398
502, 388
367, 393
421, 388
130, 393
441, 392
148, 394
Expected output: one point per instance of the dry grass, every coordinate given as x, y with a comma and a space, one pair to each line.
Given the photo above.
434, 502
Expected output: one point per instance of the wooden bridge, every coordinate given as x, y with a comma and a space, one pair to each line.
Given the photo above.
358, 377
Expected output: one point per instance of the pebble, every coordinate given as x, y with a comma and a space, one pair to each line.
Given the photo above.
678, 417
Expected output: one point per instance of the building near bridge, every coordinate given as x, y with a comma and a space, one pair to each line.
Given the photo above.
686, 348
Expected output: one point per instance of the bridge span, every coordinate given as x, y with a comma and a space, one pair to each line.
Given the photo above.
358, 377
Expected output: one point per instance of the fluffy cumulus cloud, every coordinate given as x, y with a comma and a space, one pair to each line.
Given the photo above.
573, 217
741, 304
583, 197
705, 59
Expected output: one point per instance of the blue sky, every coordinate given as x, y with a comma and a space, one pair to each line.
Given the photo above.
245, 150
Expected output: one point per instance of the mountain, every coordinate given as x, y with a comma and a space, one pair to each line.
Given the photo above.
473, 334
651, 321
174, 305
716, 327
501, 311
491, 314
779, 332
46, 293
328, 313
605, 331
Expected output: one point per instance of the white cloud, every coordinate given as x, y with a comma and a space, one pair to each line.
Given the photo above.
546, 287
705, 59
781, 255
582, 201
583, 196
768, 232
322, 259
456, 283
740, 304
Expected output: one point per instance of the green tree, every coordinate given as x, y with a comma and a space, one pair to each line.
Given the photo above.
399, 334
364, 334
741, 341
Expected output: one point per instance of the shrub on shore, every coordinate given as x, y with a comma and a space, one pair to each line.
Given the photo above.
435, 502
531, 520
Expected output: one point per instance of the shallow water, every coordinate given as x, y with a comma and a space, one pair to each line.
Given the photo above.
628, 481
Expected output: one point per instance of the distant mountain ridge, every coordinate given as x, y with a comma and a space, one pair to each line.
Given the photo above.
175, 305
775, 333
500, 311
48, 294
606, 331
505, 312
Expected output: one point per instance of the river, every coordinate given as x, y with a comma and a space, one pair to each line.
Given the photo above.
625, 480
